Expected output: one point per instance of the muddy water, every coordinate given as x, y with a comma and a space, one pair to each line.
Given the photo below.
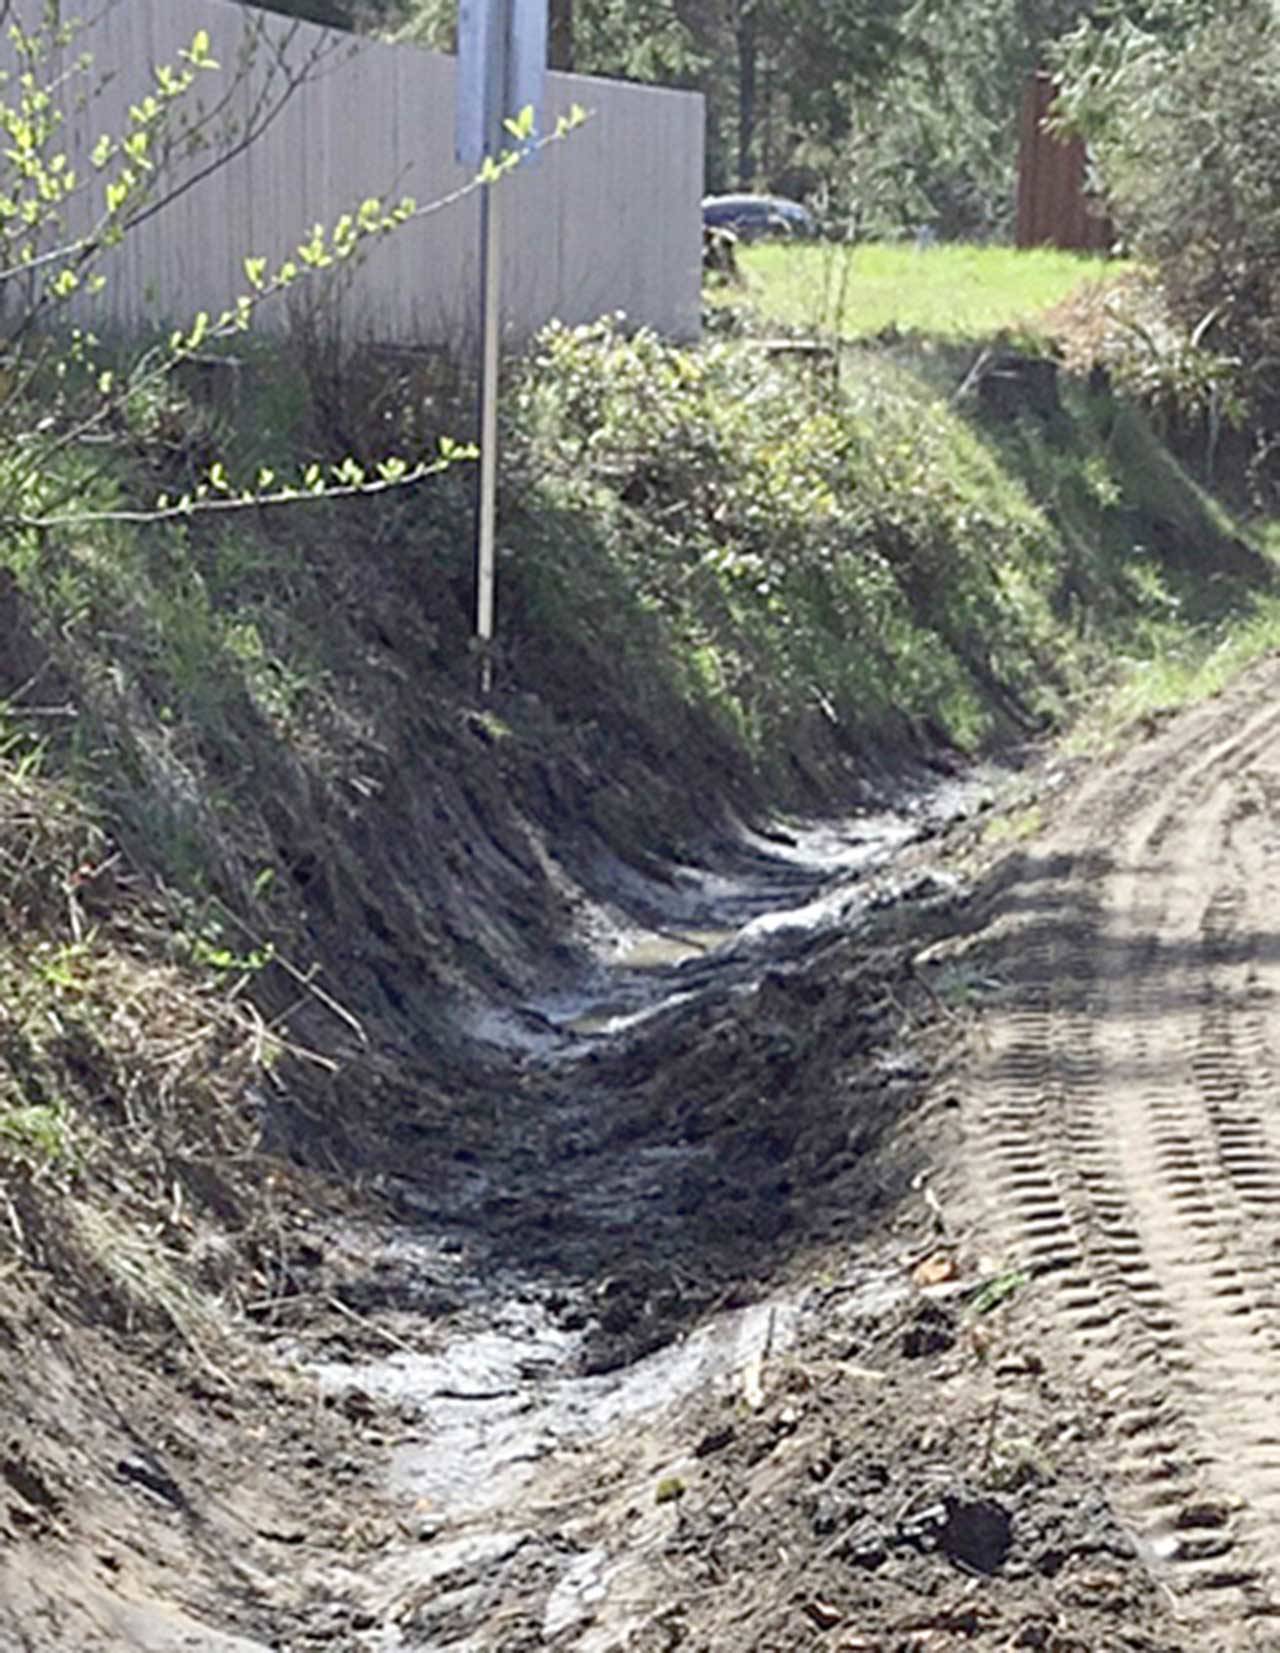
519, 1453
503, 1426
505, 1399
768, 895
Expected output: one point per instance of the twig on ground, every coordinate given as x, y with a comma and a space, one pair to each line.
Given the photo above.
304, 978
372, 1326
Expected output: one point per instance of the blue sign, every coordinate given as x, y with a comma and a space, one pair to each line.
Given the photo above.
502, 69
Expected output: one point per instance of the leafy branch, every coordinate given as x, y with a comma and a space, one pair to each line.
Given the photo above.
130, 166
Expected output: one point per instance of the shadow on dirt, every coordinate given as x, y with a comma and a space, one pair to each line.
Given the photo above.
1055, 898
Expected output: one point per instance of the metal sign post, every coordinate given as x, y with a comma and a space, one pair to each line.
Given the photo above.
487, 509
502, 62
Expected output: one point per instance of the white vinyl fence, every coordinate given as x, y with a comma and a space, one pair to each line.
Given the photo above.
607, 220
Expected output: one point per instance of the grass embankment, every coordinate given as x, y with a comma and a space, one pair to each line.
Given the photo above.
945, 292
289, 825
1183, 663
827, 572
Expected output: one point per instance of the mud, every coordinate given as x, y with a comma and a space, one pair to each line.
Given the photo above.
990, 1154
873, 1250
679, 1344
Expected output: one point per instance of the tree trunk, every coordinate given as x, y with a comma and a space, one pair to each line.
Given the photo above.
560, 35
766, 125
746, 94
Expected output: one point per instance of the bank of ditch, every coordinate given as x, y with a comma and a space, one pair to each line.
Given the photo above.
287, 906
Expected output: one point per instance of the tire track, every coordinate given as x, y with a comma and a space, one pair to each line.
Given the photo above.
1128, 1128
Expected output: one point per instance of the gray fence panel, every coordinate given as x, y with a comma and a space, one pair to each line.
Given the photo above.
606, 221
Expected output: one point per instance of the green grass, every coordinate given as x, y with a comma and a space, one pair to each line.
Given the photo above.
949, 292
1183, 668
1182, 664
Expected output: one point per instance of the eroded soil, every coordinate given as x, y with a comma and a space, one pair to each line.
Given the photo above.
897, 1278
1011, 1376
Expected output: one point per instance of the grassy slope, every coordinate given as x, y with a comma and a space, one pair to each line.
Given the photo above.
816, 574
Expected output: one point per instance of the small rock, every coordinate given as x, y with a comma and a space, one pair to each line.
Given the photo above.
1027, 1363
137, 1470
931, 1332
358, 1405
823, 1614
936, 1270
714, 1441
978, 1533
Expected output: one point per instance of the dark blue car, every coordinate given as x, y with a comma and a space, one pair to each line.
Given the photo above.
751, 217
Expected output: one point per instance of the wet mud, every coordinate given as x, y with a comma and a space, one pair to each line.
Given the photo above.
871, 1247
656, 1368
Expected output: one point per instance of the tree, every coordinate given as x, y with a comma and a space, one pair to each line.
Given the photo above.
771, 70
932, 137
1180, 100
918, 103
560, 44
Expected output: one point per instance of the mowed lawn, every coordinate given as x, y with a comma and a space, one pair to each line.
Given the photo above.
951, 292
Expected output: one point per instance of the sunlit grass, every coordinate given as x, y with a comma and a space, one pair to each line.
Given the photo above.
1186, 668
949, 292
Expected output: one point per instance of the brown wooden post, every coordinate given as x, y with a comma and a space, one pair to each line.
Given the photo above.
1053, 204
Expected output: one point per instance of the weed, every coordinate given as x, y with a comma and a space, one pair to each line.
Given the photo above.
1014, 826
224, 960
1016, 1463
962, 984
63, 966
999, 1289
490, 725
38, 1135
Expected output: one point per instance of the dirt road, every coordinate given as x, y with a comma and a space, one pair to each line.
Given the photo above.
1125, 1121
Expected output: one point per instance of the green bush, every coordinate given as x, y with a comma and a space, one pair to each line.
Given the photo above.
809, 557
1182, 111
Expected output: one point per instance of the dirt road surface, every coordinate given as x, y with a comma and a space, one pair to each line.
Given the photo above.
1125, 1122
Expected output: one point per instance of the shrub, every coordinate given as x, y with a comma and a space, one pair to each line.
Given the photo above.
847, 558
1182, 110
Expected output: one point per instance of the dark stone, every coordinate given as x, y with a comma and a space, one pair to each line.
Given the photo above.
932, 1331
143, 1473
978, 1533
715, 1441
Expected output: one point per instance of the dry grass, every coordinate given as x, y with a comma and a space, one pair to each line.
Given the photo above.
129, 1085
1094, 324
